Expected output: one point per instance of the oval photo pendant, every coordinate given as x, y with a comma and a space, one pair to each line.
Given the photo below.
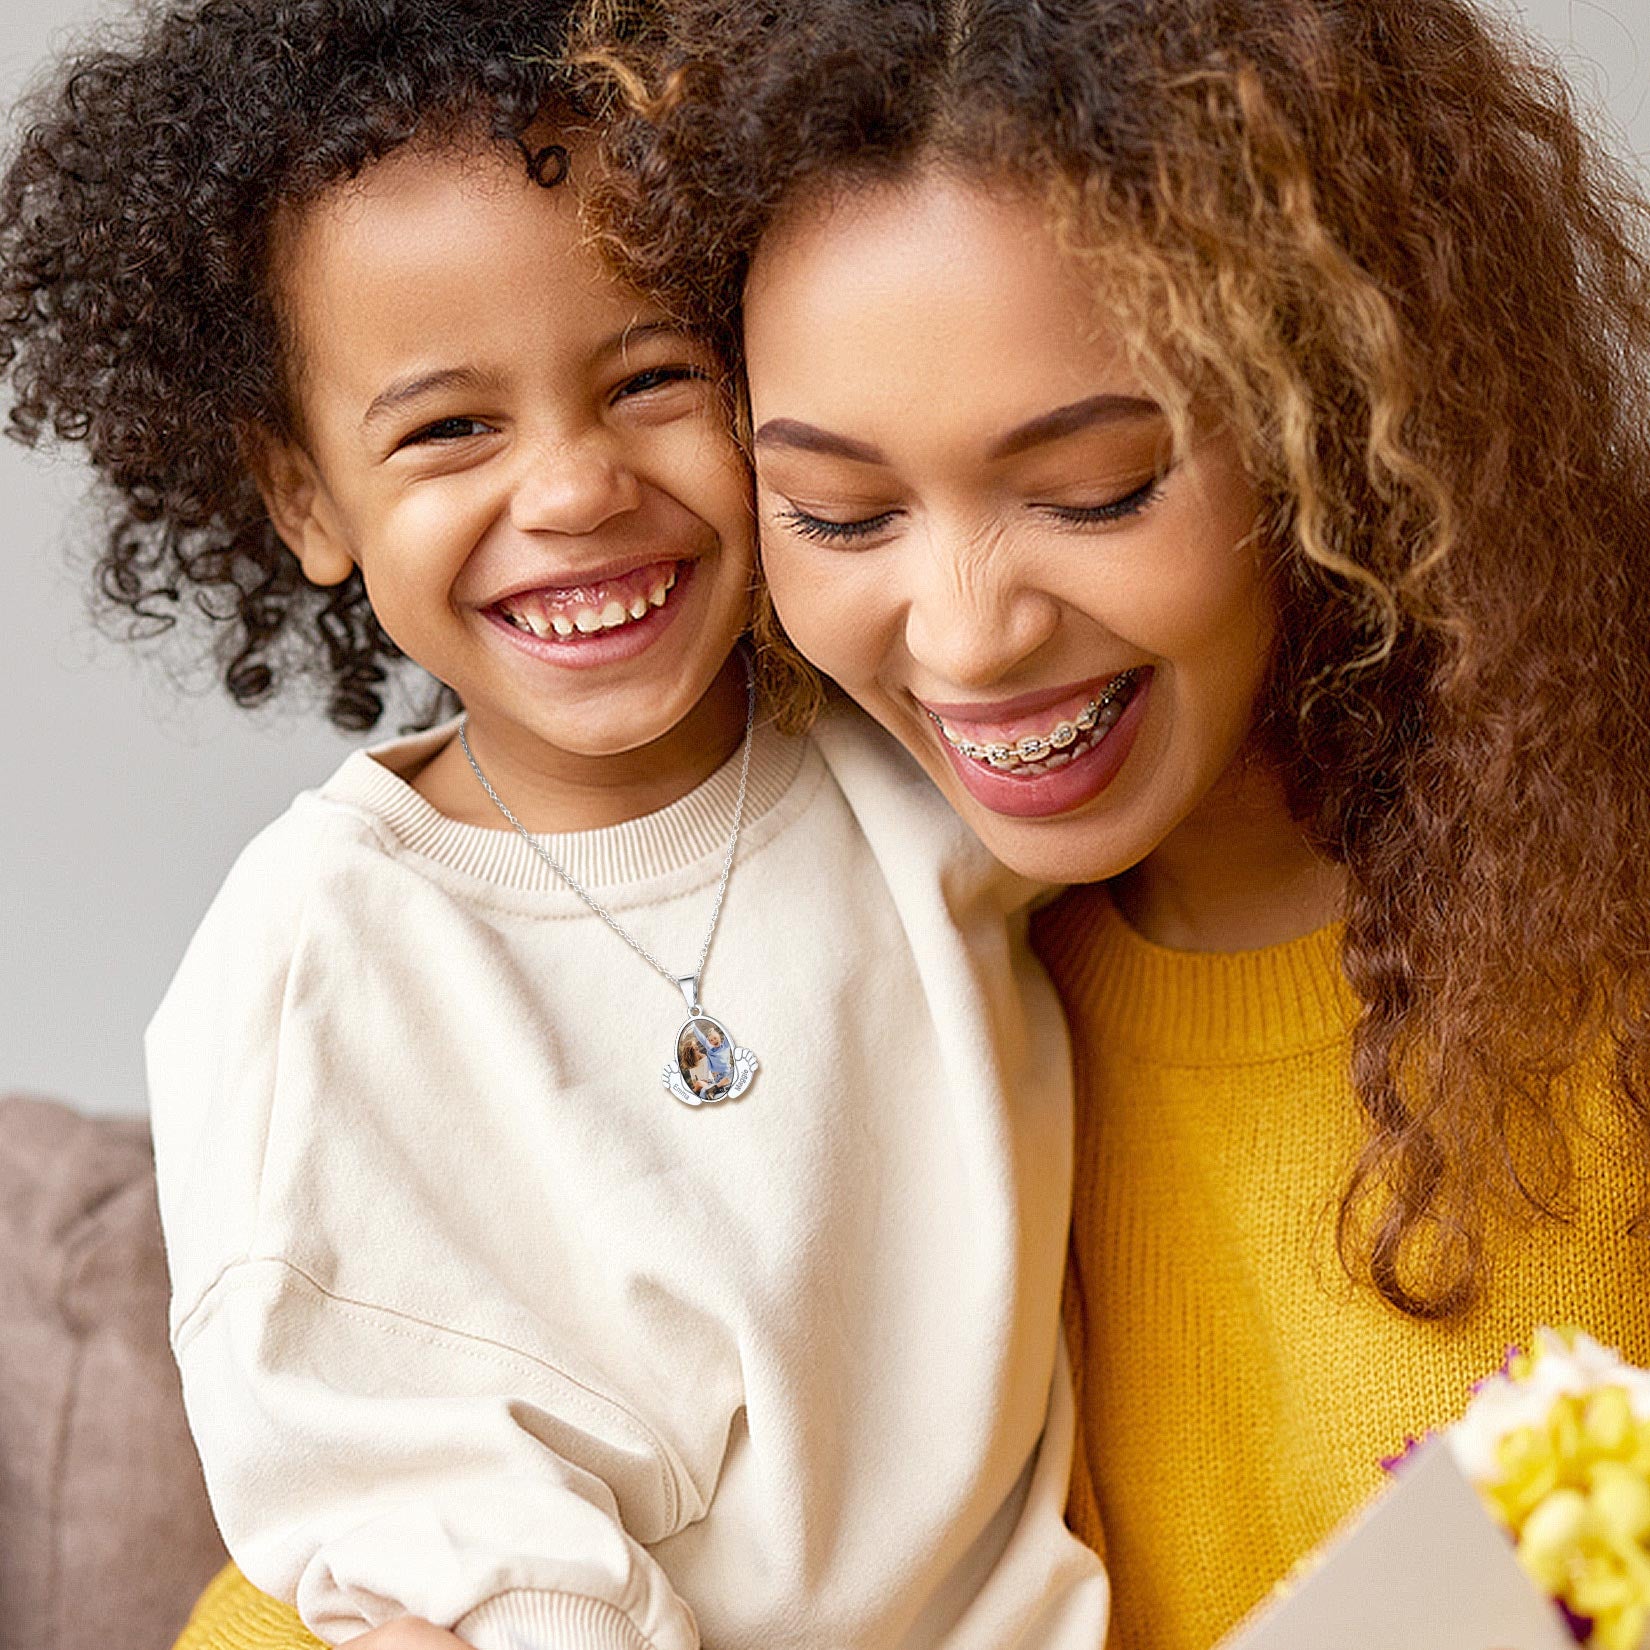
709, 1066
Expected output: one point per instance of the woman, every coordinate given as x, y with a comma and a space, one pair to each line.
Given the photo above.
1212, 437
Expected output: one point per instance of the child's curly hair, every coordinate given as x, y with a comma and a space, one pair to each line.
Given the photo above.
135, 307
1375, 237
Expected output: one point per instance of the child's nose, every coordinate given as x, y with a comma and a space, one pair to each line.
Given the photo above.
573, 488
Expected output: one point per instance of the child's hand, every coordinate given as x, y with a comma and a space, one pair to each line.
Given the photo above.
409, 1633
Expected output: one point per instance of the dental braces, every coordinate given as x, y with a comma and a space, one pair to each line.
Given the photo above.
1033, 747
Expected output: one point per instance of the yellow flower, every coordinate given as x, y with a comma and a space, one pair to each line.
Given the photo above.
1620, 1501
1553, 1538
1607, 1422
1559, 1447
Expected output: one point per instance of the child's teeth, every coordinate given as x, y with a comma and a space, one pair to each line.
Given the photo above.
536, 618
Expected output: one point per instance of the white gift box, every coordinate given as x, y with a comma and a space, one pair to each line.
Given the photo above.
1423, 1567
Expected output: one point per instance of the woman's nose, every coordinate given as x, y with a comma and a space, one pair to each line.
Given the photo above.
971, 617
573, 487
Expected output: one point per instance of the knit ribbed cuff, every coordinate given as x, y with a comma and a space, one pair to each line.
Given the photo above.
530, 1620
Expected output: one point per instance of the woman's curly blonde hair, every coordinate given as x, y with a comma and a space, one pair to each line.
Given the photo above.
1377, 239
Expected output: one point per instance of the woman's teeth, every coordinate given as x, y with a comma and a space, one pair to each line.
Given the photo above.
1035, 753
540, 613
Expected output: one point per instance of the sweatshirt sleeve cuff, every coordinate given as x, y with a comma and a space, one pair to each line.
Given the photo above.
531, 1620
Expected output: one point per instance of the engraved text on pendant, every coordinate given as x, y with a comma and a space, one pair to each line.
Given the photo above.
709, 1066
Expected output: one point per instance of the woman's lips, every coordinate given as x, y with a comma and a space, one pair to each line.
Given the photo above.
1006, 716
1079, 772
1054, 731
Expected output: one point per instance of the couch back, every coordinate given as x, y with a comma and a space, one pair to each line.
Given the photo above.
105, 1533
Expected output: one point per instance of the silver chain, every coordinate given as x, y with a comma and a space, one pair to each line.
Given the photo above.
677, 980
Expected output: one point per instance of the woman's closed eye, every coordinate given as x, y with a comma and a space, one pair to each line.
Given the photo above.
1114, 509
825, 530
834, 530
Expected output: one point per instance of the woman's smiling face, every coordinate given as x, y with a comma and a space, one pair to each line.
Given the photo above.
974, 518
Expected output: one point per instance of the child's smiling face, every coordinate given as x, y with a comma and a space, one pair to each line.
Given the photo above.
530, 467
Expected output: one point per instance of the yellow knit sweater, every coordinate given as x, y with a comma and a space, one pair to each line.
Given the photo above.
233, 1615
1235, 1392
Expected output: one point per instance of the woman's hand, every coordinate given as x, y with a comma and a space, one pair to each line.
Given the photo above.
409, 1633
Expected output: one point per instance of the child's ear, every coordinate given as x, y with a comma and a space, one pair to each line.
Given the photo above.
299, 505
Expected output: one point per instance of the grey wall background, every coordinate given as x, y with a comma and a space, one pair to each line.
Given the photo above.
125, 801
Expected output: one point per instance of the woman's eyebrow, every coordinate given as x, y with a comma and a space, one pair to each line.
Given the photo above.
1049, 426
1078, 415
809, 438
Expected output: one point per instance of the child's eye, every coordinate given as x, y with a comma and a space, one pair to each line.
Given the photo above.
656, 378
446, 429
825, 531
1130, 504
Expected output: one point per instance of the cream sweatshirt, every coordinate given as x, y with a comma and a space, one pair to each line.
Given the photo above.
477, 1322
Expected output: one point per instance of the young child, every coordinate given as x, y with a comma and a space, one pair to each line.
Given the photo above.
479, 1320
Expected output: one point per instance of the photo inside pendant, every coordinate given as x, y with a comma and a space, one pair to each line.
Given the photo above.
704, 1054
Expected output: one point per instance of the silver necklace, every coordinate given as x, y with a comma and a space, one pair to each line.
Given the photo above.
707, 1064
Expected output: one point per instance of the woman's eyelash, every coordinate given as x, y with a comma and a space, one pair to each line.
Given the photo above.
825, 531
1131, 504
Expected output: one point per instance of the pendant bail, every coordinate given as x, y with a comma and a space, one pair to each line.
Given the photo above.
689, 986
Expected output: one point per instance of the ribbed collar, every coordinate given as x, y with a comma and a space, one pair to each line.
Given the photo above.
639, 850
1192, 1007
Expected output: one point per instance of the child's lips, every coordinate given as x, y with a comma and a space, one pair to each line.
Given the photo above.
593, 605
546, 633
